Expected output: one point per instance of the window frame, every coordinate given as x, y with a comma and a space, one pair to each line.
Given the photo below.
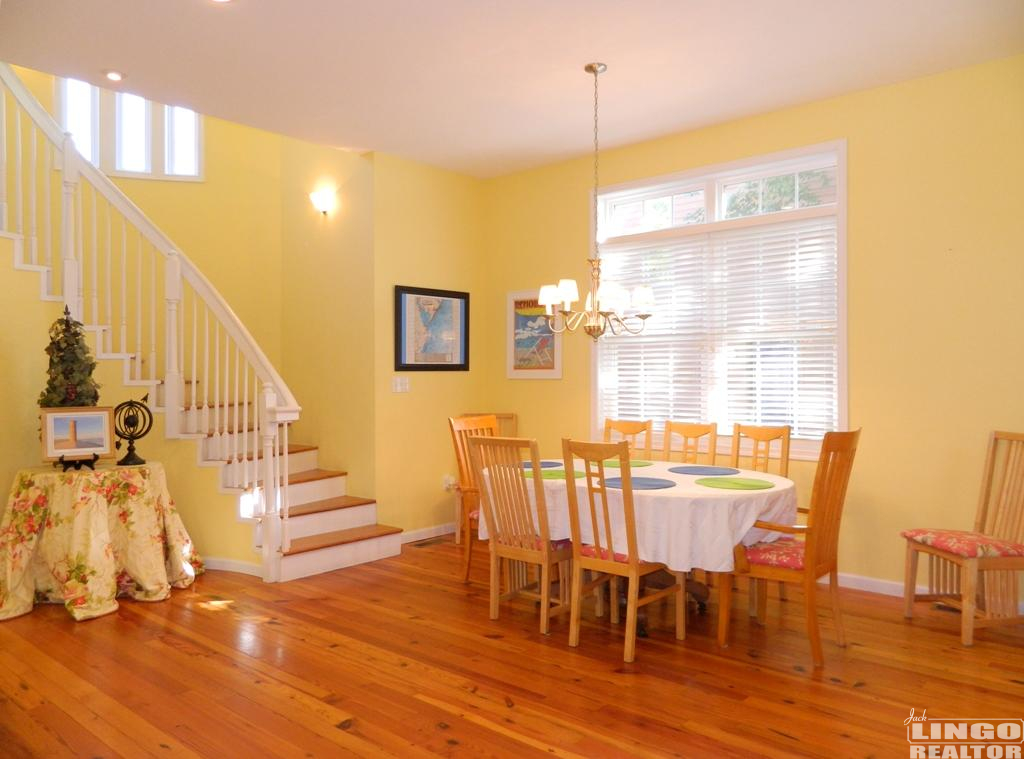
106, 127
801, 449
60, 98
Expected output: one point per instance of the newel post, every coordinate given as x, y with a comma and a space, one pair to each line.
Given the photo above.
173, 387
69, 266
271, 521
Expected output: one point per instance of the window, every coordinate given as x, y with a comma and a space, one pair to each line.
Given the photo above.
80, 116
127, 135
749, 326
133, 133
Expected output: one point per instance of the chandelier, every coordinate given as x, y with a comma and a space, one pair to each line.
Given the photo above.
609, 307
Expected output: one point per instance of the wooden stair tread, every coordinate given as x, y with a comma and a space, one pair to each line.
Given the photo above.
292, 448
311, 475
340, 538
328, 504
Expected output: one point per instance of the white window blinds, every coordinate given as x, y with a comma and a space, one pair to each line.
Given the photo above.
746, 329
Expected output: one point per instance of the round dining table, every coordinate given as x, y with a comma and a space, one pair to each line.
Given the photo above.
687, 516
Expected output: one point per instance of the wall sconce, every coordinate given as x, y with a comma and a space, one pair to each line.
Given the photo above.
324, 200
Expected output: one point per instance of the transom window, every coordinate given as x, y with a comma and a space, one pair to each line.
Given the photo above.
746, 265
127, 135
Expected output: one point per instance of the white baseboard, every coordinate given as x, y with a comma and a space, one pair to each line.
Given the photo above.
233, 565
872, 584
428, 532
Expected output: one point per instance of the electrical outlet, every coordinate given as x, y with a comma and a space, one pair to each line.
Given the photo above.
399, 384
449, 482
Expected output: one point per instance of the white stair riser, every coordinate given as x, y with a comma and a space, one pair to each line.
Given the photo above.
232, 475
317, 490
338, 557
330, 521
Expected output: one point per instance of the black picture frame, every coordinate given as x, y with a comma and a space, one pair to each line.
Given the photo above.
439, 318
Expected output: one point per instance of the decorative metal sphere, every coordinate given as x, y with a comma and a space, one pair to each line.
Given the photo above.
132, 421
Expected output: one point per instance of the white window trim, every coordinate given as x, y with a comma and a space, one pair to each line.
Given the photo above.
105, 110
801, 449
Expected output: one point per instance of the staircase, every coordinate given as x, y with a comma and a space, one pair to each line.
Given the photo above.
147, 306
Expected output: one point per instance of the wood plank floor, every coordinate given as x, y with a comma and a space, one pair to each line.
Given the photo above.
398, 658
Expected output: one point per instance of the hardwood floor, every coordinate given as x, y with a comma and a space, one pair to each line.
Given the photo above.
398, 658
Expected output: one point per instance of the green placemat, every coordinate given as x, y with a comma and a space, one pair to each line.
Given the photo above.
557, 474
614, 463
734, 483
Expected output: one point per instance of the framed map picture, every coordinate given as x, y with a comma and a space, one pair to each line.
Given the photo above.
431, 330
533, 350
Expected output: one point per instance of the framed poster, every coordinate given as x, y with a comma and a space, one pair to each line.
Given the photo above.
431, 330
533, 350
77, 432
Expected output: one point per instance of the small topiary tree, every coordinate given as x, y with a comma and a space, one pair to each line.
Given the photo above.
70, 381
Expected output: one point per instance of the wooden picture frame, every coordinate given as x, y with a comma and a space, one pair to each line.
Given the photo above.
532, 350
431, 330
77, 433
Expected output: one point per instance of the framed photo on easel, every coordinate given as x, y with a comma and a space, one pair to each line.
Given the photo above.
77, 433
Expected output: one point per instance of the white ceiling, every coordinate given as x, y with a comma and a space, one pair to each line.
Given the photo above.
487, 87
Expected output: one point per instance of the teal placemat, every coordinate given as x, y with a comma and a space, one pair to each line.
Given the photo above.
558, 474
614, 463
734, 483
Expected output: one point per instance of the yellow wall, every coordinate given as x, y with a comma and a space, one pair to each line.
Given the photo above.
427, 233
327, 269
935, 268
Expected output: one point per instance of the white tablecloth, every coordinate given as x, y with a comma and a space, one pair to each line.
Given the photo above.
687, 526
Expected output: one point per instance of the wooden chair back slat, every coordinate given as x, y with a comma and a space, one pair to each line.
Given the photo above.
761, 443
592, 457
633, 432
1001, 504
463, 428
828, 496
690, 436
512, 519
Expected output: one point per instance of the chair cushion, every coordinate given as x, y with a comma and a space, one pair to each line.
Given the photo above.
474, 514
556, 545
591, 552
970, 545
787, 553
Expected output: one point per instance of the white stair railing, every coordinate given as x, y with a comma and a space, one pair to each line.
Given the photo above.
148, 305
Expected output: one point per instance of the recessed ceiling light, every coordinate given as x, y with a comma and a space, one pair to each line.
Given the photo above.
222, 1
114, 76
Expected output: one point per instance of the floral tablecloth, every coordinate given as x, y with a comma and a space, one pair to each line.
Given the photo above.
85, 538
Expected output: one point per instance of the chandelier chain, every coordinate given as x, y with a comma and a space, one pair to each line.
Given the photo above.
596, 72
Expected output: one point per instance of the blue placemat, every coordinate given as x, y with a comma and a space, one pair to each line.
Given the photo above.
704, 471
543, 464
642, 483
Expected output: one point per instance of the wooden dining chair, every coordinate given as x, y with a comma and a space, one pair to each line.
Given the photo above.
633, 432
690, 436
761, 439
463, 428
803, 561
977, 572
518, 527
602, 555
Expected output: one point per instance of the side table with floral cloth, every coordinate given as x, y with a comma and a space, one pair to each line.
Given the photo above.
84, 538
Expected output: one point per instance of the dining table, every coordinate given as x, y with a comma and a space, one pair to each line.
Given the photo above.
687, 516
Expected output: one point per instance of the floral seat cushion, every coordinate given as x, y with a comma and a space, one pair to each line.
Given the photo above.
970, 545
787, 553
